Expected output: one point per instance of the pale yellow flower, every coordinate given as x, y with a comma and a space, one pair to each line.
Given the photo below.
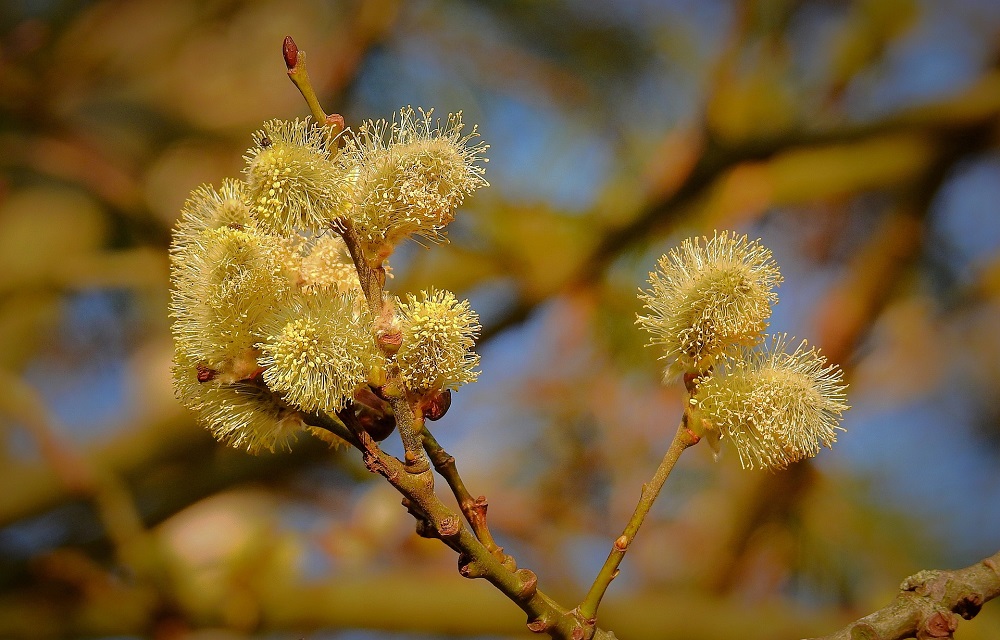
225, 283
318, 351
207, 209
775, 407
410, 176
707, 298
292, 184
327, 267
439, 333
244, 414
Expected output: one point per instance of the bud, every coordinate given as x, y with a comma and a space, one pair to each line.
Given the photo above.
775, 407
709, 297
290, 52
436, 404
439, 333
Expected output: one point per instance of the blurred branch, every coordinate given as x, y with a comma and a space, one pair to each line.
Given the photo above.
429, 604
929, 604
961, 117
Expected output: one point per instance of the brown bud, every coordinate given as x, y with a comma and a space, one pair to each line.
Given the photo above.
539, 625
691, 381
379, 427
529, 583
450, 526
436, 404
621, 544
290, 51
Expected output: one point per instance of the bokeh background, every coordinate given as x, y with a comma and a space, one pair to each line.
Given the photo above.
858, 139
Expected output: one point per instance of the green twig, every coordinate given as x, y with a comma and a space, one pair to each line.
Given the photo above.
414, 479
474, 509
295, 60
683, 439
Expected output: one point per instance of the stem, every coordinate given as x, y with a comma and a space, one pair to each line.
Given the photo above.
410, 423
474, 509
372, 279
683, 439
414, 478
295, 60
930, 603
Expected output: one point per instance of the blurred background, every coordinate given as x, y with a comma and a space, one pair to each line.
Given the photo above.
858, 139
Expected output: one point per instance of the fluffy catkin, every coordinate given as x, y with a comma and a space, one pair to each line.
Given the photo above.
707, 298
775, 407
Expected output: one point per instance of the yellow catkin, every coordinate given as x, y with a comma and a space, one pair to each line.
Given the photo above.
207, 208
224, 285
775, 407
292, 181
318, 351
410, 176
327, 267
708, 297
439, 333
244, 415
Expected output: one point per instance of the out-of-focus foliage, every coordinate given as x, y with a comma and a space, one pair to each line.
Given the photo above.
858, 139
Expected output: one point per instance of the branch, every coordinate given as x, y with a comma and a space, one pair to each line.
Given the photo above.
683, 439
474, 509
475, 560
940, 122
295, 60
929, 604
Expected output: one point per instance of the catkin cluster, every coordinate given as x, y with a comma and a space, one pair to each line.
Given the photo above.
269, 319
709, 302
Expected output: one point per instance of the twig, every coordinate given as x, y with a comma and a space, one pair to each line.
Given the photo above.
929, 604
295, 60
474, 509
475, 560
683, 439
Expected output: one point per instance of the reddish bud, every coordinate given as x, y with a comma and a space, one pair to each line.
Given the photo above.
538, 626
290, 51
940, 625
378, 427
436, 404
336, 122
529, 583
450, 527
390, 340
